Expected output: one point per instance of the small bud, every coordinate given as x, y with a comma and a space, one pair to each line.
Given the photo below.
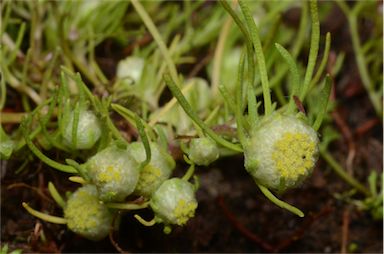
86, 215
156, 171
203, 151
88, 130
114, 172
174, 202
281, 152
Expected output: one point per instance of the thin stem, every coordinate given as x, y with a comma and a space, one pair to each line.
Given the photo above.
227, 98
254, 34
130, 116
77, 179
10, 117
239, 98
157, 37
362, 66
189, 173
217, 59
43, 216
193, 115
294, 72
279, 202
82, 172
19, 39
169, 105
323, 60
43, 157
55, 195
144, 140
323, 103
105, 115
342, 173
314, 48
144, 222
127, 206
252, 106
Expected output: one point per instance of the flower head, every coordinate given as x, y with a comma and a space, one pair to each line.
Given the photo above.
203, 151
114, 172
281, 152
156, 171
174, 202
86, 215
88, 130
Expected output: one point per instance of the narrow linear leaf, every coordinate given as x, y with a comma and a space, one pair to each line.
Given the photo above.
44, 216
144, 140
323, 103
279, 202
314, 48
254, 34
294, 72
40, 155
193, 115
56, 195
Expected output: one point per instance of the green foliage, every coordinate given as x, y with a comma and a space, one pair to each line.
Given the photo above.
4, 250
244, 97
86, 215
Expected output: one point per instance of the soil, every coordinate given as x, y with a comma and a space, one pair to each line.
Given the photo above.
233, 215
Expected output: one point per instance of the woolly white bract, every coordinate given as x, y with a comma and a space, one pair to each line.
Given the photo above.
281, 152
174, 202
88, 130
86, 215
114, 172
156, 171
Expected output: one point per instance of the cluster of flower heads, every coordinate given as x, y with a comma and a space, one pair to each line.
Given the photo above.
116, 174
280, 150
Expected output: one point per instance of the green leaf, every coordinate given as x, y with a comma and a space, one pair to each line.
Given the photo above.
323, 103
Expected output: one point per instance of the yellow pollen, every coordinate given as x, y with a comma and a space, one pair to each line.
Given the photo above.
184, 210
148, 176
110, 174
294, 155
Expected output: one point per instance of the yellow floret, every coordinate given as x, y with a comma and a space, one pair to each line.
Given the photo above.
148, 176
110, 174
294, 155
184, 211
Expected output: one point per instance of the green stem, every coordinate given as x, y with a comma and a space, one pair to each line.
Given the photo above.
55, 195
227, 98
19, 39
127, 206
193, 115
313, 50
157, 37
217, 59
77, 179
189, 172
323, 60
279, 202
144, 140
361, 65
79, 168
239, 98
43, 216
323, 99
254, 34
130, 116
294, 72
41, 156
144, 222
342, 173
